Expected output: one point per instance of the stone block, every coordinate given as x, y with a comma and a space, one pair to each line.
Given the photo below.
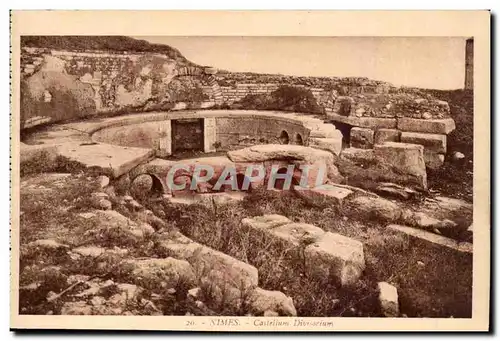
297, 234
266, 221
433, 160
260, 301
325, 195
110, 159
404, 157
281, 229
326, 131
387, 135
388, 299
204, 260
152, 273
361, 138
436, 126
364, 122
357, 155
333, 145
335, 258
432, 142
433, 238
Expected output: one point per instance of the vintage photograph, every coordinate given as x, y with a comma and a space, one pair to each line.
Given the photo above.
246, 176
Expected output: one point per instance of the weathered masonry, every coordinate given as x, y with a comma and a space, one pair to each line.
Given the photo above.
209, 131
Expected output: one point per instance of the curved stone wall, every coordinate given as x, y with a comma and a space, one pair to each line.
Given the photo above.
221, 130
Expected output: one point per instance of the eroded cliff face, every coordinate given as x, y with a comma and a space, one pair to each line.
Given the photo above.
62, 84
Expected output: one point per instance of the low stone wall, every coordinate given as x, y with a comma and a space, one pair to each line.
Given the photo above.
366, 132
223, 130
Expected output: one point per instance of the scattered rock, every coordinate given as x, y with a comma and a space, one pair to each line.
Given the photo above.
76, 308
151, 273
47, 244
100, 201
395, 191
371, 207
147, 229
195, 292
457, 156
104, 204
103, 181
100, 195
89, 251
260, 301
134, 205
388, 299
111, 224
72, 279
86, 215
141, 185
98, 301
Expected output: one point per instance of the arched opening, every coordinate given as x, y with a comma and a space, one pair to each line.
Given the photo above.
284, 138
298, 139
145, 185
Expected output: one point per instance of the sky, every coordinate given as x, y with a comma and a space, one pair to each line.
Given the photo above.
427, 62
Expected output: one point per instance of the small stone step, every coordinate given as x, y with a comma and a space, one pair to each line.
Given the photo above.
434, 238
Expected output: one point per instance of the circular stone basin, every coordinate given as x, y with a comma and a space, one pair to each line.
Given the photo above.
204, 131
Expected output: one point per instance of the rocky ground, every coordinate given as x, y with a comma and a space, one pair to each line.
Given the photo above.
87, 250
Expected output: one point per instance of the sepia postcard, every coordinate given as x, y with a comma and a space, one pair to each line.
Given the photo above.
250, 170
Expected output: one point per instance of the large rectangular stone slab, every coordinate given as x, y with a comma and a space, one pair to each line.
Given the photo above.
281, 229
110, 159
364, 122
204, 260
329, 144
436, 126
357, 155
328, 256
434, 238
325, 195
404, 157
387, 135
432, 142
335, 257
361, 138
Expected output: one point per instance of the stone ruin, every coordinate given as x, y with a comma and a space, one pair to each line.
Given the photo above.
364, 122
